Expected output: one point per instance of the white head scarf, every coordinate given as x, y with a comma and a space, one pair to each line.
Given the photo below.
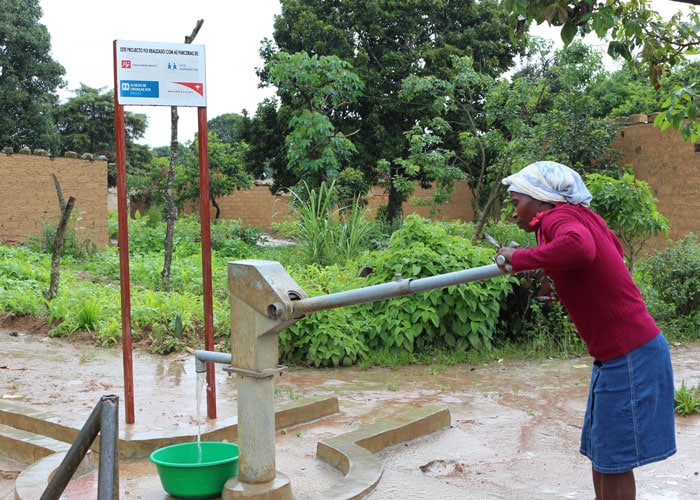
550, 182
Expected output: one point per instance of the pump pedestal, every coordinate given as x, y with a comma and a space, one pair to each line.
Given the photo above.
278, 489
261, 295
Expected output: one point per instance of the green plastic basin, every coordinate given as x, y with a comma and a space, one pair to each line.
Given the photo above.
185, 473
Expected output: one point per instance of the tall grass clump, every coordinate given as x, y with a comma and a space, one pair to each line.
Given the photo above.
73, 245
327, 233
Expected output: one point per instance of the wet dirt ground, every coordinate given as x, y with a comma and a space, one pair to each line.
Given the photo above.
514, 433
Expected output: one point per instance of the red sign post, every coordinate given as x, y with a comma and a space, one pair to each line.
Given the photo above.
161, 74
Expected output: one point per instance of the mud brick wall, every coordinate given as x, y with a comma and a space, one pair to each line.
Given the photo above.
29, 200
259, 208
670, 166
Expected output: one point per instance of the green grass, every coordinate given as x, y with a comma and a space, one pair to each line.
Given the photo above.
687, 400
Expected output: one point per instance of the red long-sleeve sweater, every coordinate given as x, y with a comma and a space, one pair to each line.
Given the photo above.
584, 258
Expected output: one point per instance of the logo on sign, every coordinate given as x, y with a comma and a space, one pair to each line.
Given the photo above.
139, 88
126, 64
196, 86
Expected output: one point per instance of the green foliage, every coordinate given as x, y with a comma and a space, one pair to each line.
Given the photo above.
384, 43
457, 324
29, 78
670, 282
327, 338
351, 186
228, 237
627, 91
86, 123
635, 32
316, 226
549, 330
315, 89
550, 109
23, 276
327, 233
687, 400
72, 245
87, 316
682, 113
227, 171
629, 209
457, 317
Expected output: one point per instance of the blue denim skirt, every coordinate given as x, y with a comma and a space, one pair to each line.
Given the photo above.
629, 418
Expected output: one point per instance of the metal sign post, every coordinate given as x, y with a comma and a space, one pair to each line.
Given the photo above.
160, 74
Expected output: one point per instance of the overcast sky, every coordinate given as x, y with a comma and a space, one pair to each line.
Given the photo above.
82, 34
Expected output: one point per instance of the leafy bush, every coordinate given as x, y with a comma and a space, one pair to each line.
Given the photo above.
629, 209
457, 317
326, 338
670, 282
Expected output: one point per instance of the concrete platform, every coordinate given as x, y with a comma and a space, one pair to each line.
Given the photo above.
352, 453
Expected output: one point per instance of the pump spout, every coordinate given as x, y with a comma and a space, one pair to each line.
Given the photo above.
201, 358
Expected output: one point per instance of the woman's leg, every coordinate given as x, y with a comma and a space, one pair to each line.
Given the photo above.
614, 486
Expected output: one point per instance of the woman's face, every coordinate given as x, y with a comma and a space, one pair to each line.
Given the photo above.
525, 208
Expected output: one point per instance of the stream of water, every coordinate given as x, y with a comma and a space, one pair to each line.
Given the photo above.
201, 384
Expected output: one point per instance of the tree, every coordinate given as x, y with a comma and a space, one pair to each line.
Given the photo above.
489, 127
226, 172
228, 127
86, 125
315, 89
29, 78
385, 42
626, 91
265, 135
637, 33
629, 209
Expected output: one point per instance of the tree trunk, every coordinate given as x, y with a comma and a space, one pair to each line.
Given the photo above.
394, 206
484, 213
59, 192
51, 293
170, 207
216, 207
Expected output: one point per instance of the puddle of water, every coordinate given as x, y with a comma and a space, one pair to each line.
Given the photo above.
514, 434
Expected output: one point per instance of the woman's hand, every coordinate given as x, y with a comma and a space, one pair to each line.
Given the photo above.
507, 254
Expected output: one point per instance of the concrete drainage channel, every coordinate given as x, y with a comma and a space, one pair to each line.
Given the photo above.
42, 440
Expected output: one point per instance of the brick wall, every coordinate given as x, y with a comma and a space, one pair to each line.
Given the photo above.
670, 166
29, 199
259, 208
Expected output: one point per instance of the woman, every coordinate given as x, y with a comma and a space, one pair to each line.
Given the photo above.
629, 418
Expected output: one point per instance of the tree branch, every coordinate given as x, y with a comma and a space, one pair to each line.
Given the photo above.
190, 39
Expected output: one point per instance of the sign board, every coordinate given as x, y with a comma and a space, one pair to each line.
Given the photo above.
160, 74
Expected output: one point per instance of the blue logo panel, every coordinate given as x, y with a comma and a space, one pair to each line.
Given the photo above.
139, 88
